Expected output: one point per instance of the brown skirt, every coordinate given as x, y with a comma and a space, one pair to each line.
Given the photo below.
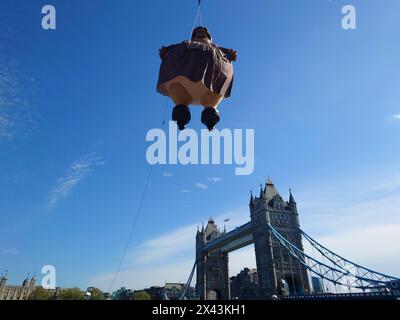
202, 66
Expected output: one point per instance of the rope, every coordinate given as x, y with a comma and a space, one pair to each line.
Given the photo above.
133, 227
197, 17
138, 212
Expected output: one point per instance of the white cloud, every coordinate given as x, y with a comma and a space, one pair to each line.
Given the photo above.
170, 244
170, 257
168, 174
78, 170
397, 116
185, 191
137, 278
365, 240
201, 186
215, 179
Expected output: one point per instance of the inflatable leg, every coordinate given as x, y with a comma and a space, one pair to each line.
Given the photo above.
182, 99
210, 115
211, 100
179, 94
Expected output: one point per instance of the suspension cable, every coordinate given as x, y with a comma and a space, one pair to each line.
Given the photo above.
329, 273
290, 264
280, 252
301, 276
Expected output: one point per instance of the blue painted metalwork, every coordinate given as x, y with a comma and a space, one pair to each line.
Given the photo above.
333, 274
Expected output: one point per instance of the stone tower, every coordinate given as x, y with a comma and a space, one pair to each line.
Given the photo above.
212, 266
275, 265
3, 284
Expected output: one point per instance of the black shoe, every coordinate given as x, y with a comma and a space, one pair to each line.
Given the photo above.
210, 117
181, 115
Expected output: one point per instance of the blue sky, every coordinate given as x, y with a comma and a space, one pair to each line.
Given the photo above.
76, 104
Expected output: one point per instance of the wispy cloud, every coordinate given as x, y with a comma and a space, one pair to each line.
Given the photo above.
185, 191
168, 174
201, 186
10, 252
397, 116
78, 170
215, 179
16, 116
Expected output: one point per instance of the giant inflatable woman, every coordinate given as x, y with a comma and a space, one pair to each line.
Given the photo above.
196, 72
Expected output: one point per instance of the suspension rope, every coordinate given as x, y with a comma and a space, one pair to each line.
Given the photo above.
198, 17
138, 213
139, 210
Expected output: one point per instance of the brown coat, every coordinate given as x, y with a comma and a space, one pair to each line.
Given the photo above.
197, 61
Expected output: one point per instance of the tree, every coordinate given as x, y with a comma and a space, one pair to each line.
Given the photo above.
141, 295
71, 294
96, 294
39, 294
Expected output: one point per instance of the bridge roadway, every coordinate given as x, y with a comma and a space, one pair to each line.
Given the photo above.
233, 240
344, 296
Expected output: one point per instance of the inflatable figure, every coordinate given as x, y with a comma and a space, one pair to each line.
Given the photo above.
196, 72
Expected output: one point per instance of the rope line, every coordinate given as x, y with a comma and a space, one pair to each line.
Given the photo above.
198, 17
139, 210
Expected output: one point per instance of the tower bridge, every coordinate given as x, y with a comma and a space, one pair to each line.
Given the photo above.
283, 267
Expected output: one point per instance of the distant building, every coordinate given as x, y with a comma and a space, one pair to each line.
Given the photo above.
107, 296
245, 286
123, 294
318, 285
171, 291
12, 292
155, 292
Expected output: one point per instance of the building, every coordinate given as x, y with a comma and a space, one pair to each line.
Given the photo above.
318, 285
123, 294
155, 292
14, 292
244, 286
171, 291
212, 267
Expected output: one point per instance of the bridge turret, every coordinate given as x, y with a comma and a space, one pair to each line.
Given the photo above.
251, 204
212, 265
292, 202
262, 192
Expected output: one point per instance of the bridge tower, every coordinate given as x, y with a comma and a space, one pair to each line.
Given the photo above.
212, 266
275, 264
